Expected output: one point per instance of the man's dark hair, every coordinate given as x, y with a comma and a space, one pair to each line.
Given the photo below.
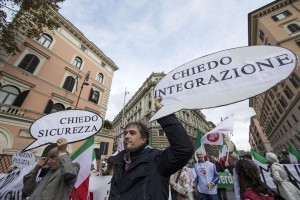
142, 128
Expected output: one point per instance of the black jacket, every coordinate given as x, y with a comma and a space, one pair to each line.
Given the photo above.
148, 174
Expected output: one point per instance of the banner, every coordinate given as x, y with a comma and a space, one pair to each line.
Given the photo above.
223, 78
225, 180
11, 184
74, 125
23, 159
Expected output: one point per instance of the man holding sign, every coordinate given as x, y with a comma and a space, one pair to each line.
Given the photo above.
143, 173
59, 181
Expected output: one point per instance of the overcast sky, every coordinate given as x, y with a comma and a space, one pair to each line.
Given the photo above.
143, 36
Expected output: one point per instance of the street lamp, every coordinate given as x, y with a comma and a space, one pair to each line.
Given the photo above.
126, 92
85, 82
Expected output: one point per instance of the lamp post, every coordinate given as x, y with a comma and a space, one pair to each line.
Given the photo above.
85, 82
126, 92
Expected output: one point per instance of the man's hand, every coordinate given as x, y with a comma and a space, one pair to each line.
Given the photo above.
62, 144
42, 161
157, 103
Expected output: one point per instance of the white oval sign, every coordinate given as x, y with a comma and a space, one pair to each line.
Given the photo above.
23, 159
74, 125
223, 78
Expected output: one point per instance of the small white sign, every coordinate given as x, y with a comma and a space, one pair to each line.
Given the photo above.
23, 159
223, 78
74, 125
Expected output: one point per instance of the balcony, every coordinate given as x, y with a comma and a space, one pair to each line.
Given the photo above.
14, 111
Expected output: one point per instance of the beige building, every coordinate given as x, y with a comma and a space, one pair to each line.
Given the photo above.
278, 109
141, 108
258, 139
60, 70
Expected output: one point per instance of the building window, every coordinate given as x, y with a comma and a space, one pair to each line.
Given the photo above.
281, 15
8, 94
283, 102
100, 78
288, 122
293, 28
82, 48
94, 96
279, 109
271, 94
294, 117
288, 92
161, 133
276, 115
69, 83
29, 63
295, 80
77, 62
298, 43
45, 40
57, 107
149, 104
261, 35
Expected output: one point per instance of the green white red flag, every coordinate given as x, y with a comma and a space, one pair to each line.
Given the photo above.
83, 155
293, 154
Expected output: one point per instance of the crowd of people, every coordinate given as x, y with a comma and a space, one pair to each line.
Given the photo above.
140, 172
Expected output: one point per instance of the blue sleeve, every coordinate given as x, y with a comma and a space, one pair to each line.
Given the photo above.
215, 179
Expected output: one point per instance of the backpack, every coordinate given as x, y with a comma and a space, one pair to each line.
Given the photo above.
251, 195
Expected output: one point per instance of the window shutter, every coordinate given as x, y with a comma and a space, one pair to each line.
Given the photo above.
91, 95
49, 107
275, 18
20, 98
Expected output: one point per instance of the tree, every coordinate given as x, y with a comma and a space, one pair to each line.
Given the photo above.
29, 18
107, 124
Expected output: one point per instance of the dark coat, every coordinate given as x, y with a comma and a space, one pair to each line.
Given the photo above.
148, 174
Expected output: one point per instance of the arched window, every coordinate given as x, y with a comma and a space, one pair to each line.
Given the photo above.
77, 62
29, 63
293, 28
69, 83
45, 40
100, 78
94, 96
295, 80
57, 107
8, 94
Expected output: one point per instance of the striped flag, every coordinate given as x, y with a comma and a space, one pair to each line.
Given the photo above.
259, 159
83, 156
94, 161
198, 142
293, 154
223, 149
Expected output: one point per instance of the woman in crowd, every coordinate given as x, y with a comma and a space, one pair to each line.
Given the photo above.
280, 177
251, 187
181, 184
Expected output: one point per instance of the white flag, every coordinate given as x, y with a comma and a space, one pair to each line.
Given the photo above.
215, 136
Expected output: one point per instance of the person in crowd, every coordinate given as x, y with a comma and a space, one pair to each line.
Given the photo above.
58, 181
191, 170
143, 173
181, 185
110, 167
251, 187
230, 164
280, 177
285, 158
221, 191
248, 157
93, 170
207, 178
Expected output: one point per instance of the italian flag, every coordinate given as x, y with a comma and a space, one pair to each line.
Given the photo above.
293, 154
223, 150
259, 159
83, 156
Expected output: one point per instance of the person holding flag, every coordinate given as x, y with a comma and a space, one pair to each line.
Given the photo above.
143, 173
59, 180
